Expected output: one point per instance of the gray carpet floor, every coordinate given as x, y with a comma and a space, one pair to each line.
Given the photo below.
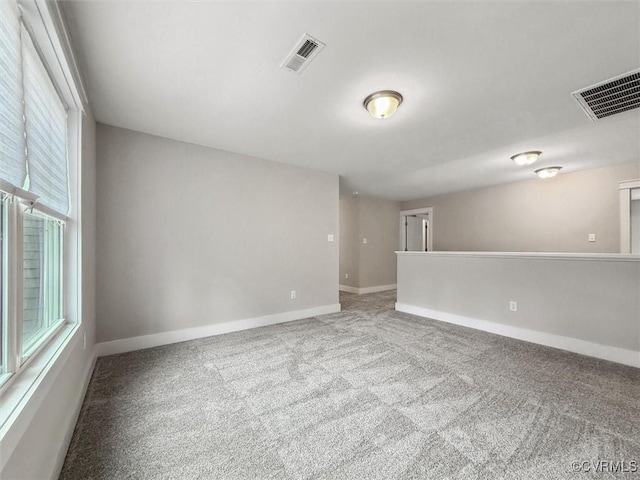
367, 393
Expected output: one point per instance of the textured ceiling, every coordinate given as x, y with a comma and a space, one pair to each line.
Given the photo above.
481, 82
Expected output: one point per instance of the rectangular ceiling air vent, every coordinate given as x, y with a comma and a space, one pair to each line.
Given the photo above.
610, 97
302, 54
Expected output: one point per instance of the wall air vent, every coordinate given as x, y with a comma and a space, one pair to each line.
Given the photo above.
302, 54
610, 97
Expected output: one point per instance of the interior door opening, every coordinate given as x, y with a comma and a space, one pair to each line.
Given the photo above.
416, 230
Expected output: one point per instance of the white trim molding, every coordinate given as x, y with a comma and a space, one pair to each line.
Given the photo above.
360, 291
606, 257
416, 211
75, 413
348, 289
625, 189
165, 338
24, 398
575, 345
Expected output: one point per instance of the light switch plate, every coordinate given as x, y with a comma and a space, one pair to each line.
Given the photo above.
592, 237
330, 237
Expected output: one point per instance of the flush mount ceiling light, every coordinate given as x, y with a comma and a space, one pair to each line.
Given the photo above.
383, 104
526, 158
548, 172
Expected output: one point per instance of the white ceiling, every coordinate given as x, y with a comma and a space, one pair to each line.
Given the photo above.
481, 81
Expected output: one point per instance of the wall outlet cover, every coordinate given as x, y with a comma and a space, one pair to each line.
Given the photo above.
330, 237
513, 306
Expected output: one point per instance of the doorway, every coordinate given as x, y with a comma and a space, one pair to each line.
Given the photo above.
416, 230
630, 217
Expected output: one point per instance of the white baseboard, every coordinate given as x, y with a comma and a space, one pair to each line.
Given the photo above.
360, 291
175, 336
583, 347
378, 288
348, 289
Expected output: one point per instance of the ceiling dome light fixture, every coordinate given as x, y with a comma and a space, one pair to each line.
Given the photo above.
383, 104
526, 158
548, 172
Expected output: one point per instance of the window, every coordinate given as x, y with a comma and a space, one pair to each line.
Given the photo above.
34, 183
42, 301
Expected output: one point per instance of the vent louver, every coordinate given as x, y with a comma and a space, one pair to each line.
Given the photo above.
307, 48
610, 97
302, 54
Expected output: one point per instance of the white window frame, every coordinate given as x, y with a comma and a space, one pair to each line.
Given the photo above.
23, 356
16, 358
46, 26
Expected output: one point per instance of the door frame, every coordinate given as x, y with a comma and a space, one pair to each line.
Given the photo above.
625, 188
423, 211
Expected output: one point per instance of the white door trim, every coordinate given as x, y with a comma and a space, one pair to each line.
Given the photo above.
424, 211
625, 213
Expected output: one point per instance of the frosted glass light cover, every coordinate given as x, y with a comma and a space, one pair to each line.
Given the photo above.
526, 158
548, 172
382, 107
383, 104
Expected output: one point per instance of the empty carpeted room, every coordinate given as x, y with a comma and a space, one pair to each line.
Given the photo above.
319, 240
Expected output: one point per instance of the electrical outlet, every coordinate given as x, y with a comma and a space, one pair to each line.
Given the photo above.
330, 237
364, 241
513, 306
592, 237
293, 294
346, 275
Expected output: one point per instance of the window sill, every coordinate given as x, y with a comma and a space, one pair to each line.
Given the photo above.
40, 344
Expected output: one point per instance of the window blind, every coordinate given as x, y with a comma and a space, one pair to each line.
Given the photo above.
13, 167
46, 132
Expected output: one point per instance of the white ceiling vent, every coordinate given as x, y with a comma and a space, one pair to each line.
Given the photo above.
301, 55
612, 96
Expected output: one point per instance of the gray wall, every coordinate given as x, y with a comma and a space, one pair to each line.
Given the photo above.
177, 242
349, 247
594, 300
554, 215
377, 220
379, 224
